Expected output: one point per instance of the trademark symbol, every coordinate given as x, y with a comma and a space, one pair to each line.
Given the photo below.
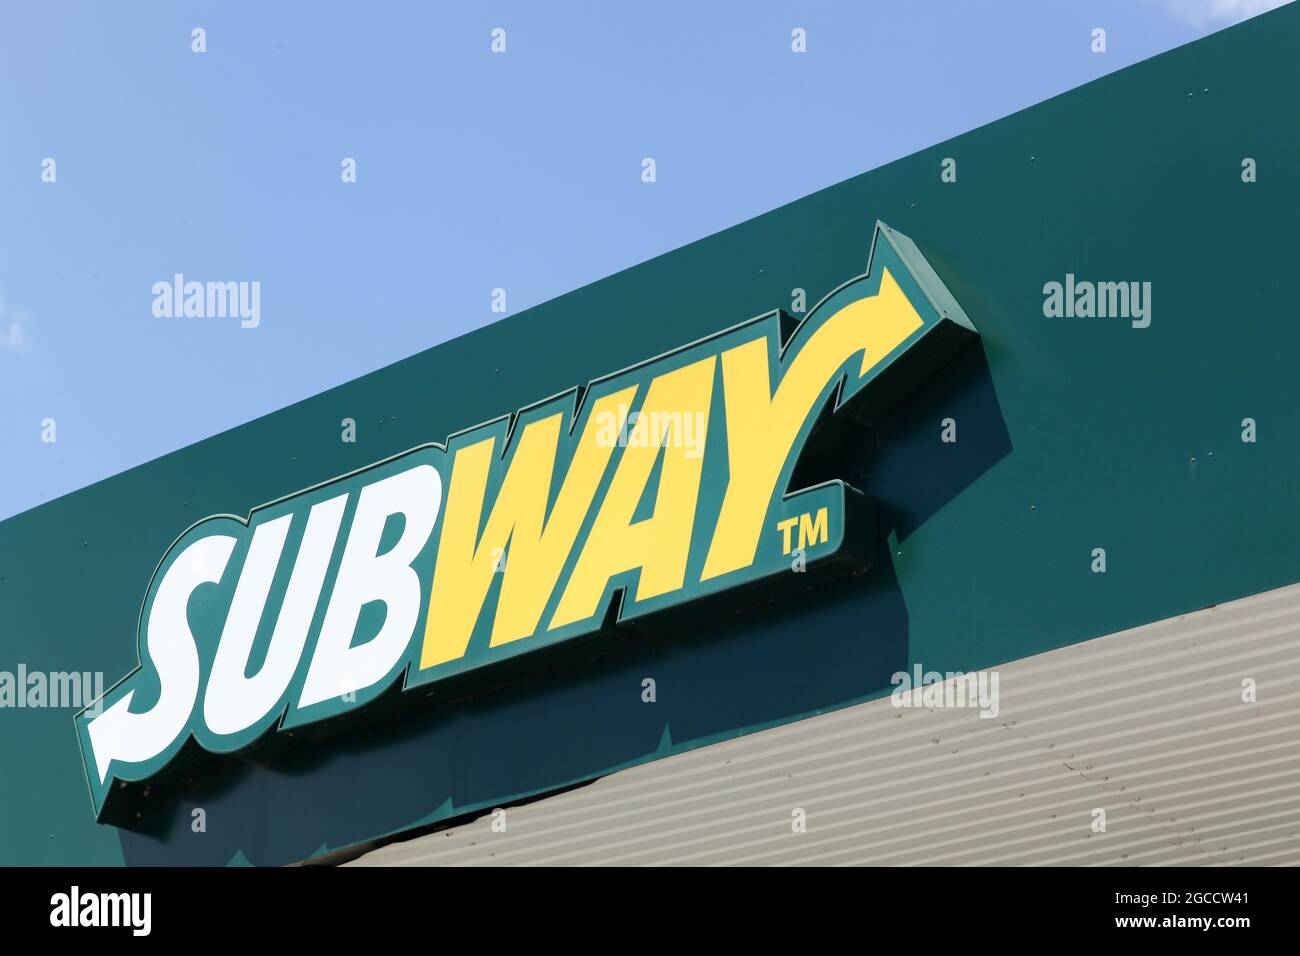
811, 530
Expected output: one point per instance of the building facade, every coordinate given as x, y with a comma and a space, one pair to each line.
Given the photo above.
1046, 506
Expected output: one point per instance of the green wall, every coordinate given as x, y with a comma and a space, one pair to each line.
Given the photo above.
1073, 434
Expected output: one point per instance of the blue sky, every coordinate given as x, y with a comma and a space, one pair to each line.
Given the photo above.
475, 170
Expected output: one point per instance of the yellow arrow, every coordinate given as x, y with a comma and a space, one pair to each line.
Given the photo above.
762, 425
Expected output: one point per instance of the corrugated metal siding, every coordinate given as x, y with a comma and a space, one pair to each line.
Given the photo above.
1148, 724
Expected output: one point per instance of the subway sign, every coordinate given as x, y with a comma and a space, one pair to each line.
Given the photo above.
648, 491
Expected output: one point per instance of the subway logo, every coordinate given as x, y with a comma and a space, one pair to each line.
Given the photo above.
646, 491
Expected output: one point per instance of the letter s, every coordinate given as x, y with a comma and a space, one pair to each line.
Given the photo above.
119, 734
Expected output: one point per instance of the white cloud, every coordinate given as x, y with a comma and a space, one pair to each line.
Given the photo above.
1201, 13
14, 336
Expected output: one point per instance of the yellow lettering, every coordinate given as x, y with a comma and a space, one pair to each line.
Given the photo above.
813, 532
538, 545
785, 527
658, 545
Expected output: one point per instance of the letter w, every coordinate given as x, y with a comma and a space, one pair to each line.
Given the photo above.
539, 545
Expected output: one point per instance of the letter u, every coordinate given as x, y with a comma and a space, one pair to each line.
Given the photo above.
234, 702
